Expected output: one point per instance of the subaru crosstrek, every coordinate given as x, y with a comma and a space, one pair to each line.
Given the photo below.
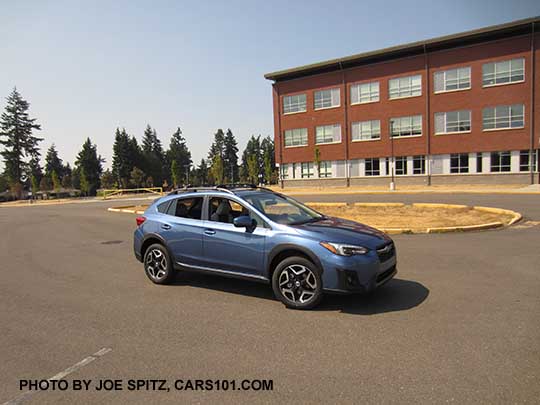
254, 233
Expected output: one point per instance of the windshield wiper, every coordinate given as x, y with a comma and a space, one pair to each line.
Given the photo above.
309, 221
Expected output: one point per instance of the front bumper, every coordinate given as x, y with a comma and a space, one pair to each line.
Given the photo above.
359, 274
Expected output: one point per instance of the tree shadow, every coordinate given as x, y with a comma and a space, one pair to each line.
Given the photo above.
396, 295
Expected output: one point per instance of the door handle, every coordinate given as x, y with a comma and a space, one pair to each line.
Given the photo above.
165, 226
209, 232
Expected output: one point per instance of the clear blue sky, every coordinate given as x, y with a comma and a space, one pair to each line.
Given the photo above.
87, 67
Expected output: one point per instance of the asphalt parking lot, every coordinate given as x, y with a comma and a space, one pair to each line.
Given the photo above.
460, 323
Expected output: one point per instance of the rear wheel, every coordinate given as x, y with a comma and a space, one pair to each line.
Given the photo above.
297, 283
157, 264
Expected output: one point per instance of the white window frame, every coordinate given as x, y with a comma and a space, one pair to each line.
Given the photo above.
405, 123
295, 135
459, 79
373, 134
408, 88
404, 161
458, 122
504, 118
325, 169
499, 165
501, 72
284, 170
333, 129
297, 104
373, 172
422, 160
460, 167
527, 167
309, 173
335, 94
373, 91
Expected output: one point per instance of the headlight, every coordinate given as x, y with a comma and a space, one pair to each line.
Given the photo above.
342, 249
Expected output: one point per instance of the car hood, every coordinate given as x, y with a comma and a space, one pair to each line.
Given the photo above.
332, 229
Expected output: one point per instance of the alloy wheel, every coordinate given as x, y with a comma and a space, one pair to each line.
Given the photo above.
298, 283
156, 264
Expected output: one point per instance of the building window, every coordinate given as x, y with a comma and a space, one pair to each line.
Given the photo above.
373, 167
294, 167
296, 137
328, 134
284, 171
524, 161
401, 165
307, 170
327, 98
405, 87
419, 164
452, 79
366, 130
294, 104
453, 121
406, 126
500, 161
503, 117
479, 162
459, 163
365, 93
387, 166
325, 169
508, 71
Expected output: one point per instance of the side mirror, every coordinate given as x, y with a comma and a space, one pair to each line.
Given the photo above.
245, 221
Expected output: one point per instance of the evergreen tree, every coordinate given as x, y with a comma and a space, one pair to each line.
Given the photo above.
4, 185
216, 171
45, 184
201, 174
34, 184
269, 160
230, 157
55, 181
16, 129
35, 168
67, 179
253, 148
179, 152
90, 166
176, 174
53, 163
76, 178
137, 177
122, 163
218, 146
153, 155
108, 180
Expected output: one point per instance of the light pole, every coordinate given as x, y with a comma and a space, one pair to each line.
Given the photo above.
187, 173
392, 162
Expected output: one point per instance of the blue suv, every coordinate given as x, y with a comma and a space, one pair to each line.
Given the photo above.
254, 233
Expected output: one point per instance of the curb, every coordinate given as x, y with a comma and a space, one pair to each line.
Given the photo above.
436, 205
379, 204
327, 204
480, 227
126, 210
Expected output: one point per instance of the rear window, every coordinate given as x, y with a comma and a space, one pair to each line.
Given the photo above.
163, 207
186, 208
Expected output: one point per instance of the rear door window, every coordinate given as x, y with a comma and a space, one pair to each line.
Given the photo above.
186, 208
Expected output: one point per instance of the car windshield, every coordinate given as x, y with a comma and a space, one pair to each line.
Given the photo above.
282, 209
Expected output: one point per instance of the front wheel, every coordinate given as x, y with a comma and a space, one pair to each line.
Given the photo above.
157, 264
297, 283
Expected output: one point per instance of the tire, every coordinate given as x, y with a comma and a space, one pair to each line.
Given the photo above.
297, 283
158, 265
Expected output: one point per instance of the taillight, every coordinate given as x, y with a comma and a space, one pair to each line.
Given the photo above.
140, 220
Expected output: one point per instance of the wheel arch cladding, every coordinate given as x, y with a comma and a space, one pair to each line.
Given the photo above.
150, 240
281, 252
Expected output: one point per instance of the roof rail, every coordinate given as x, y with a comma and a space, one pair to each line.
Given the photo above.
243, 185
193, 189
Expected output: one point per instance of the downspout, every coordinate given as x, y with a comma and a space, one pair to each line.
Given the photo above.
346, 132
428, 119
531, 149
276, 88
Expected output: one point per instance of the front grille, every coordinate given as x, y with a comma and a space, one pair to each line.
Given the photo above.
386, 252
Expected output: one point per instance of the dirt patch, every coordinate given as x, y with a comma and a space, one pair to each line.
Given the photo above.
414, 218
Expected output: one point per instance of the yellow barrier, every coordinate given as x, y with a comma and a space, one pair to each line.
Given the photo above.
120, 191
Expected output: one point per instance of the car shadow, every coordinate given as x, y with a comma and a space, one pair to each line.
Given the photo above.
396, 295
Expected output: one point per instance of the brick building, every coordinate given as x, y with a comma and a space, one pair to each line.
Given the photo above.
456, 109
